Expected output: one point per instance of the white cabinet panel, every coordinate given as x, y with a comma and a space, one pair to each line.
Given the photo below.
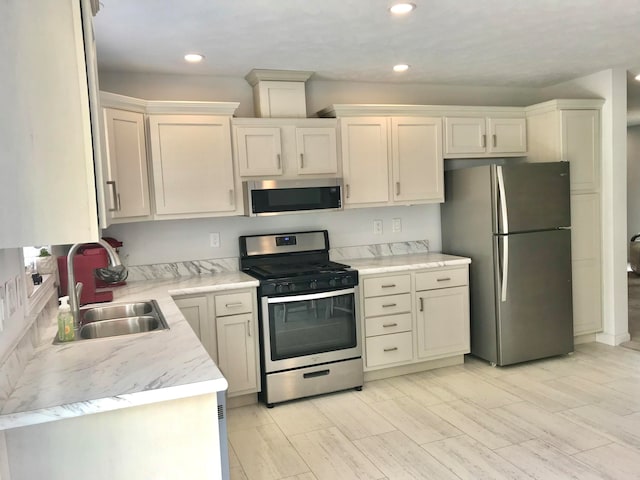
452, 277
465, 134
507, 135
316, 150
580, 146
417, 159
237, 351
389, 349
192, 164
234, 303
127, 184
259, 151
388, 324
388, 285
491, 136
197, 312
387, 305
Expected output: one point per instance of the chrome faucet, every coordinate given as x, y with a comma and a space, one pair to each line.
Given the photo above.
113, 274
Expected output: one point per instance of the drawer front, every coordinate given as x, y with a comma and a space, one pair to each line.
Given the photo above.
389, 305
442, 278
233, 303
375, 287
387, 324
389, 349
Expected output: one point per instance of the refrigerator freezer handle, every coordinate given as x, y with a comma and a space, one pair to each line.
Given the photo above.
504, 217
505, 267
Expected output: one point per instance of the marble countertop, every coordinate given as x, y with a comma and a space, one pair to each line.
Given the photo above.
399, 263
84, 377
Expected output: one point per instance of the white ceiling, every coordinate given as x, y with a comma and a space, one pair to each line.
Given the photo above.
527, 43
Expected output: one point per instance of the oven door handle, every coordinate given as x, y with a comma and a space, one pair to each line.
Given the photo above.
311, 296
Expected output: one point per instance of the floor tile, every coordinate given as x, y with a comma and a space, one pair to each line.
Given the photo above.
415, 420
623, 428
303, 476
266, 454
352, 416
480, 392
613, 461
299, 417
544, 462
378, 391
470, 460
246, 417
411, 385
400, 458
237, 473
483, 425
330, 455
566, 436
629, 386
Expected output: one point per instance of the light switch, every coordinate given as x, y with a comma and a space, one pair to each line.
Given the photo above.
377, 227
397, 225
214, 240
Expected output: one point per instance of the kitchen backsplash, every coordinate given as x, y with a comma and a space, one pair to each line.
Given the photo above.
216, 265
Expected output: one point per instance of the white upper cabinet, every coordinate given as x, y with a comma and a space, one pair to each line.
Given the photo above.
316, 150
417, 159
192, 164
127, 182
47, 188
259, 151
469, 137
285, 148
580, 146
364, 160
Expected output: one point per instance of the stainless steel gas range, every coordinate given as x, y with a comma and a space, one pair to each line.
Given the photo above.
308, 315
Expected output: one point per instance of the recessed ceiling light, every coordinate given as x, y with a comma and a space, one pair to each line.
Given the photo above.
638, 77
193, 57
400, 68
402, 8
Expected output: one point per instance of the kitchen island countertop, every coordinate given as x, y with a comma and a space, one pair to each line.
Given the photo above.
91, 376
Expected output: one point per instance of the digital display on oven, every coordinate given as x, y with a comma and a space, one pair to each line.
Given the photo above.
285, 241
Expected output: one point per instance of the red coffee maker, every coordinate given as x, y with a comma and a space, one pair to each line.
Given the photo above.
85, 262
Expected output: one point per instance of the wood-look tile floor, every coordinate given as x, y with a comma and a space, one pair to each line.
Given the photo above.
570, 417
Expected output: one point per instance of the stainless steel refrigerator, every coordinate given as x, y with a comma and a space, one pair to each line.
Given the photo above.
514, 221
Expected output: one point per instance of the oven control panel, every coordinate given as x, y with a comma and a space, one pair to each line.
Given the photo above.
308, 284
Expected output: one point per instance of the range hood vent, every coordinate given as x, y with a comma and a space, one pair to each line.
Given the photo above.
279, 93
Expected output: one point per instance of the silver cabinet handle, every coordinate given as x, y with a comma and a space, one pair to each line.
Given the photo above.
495, 140
279, 162
386, 305
484, 141
388, 325
390, 285
233, 305
397, 188
249, 327
302, 160
421, 304
392, 349
116, 197
346, 187
445, 279
231, 199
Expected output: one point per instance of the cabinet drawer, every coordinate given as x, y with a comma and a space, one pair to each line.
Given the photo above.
441, 279
387, 324
388, 349
388, 305
375, 287
233, 303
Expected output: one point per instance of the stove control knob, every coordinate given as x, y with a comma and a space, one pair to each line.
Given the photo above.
281, 288
313, 284
346, 281
333, 282
292, 286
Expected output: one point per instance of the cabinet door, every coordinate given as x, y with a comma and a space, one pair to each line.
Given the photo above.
127, 184
237, 352
364, 160
507, 135
465, 135
198, 314
259, 151
585, 263
316, 150
580, 146
192, 164
417, 159
443, 322
47, 187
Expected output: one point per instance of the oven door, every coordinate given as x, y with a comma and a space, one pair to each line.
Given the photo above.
305, 330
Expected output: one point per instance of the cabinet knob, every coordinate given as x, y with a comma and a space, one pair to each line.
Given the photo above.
302, 160
279, 161
484, 141
388, 325
392, 349
421, 304
116, 197
346, 188
495, 140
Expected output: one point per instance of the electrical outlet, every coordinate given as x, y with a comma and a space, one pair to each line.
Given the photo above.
377, 227
397, 225
214, 240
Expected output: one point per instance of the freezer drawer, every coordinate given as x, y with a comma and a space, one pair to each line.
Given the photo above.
533, 290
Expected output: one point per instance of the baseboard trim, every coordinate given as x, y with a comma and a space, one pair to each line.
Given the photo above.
242, 400
413, 368
586, 338
612, 340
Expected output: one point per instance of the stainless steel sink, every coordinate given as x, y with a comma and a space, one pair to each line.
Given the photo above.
119, 319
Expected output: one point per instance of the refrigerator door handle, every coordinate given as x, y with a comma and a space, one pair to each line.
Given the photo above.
504, 217
505, 267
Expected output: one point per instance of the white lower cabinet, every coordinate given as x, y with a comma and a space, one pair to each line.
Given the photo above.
226, 325
397, 334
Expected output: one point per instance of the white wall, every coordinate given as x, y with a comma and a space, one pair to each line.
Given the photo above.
612, 86
176, 240
633, 180
14, 326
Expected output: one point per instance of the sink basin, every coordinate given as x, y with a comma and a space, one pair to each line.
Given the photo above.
119, 319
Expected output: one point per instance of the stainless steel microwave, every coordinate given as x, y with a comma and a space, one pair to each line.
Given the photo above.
275, 197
